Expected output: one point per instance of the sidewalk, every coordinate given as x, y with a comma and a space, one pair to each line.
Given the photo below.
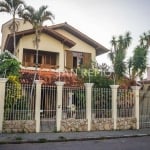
69, 136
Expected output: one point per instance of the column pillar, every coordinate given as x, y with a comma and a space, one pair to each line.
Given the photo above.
2, 101
38, 104
136, 90
88, 87
114, 104
59, 104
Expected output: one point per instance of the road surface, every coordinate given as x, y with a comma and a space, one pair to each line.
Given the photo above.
136, 143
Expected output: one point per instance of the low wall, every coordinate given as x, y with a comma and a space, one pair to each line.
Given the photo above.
102, 124
22, 126
126, 123
72, 124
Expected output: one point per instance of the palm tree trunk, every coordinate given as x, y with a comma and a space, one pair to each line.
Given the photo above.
14, 34
36, 63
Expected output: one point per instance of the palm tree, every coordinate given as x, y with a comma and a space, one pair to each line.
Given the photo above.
145, 40
12, 7
36, 18
118, 54
139, 61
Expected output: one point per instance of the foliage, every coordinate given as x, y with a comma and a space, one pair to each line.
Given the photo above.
79, 99
12, 7
145, 40
118, 54
36, 18
16, 105
9, 68
9, 65
138, 63
100, 79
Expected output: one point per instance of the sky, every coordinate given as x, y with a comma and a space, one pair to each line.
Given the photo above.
99, 19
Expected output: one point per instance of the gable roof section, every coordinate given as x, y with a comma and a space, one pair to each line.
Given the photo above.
48, 31
99, 48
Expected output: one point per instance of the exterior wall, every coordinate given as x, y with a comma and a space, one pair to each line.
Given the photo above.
19, 126
47, 43
5, 29
148, 73
80, 46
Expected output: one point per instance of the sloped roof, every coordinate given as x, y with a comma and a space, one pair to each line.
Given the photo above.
48, 31
99, 48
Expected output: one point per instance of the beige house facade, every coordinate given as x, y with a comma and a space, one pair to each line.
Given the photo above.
60, 46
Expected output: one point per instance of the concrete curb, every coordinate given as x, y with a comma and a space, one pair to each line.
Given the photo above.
64, 139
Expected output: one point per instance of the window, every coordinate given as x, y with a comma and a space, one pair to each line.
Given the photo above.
39, 59
44, 58
77, 59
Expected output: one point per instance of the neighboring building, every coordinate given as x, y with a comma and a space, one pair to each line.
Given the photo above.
148, 73
60, 45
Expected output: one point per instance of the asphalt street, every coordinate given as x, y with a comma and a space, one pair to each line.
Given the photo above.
134, 143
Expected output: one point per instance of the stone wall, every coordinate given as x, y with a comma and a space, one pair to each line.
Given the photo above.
22, 126
126, 123
73, 124
97, 124
102, 124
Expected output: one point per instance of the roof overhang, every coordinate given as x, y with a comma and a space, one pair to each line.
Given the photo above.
99, 48
9, 41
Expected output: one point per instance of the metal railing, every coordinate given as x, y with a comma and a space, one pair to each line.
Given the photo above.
48, 101
19, 102
74, 103
101, 103
125, 103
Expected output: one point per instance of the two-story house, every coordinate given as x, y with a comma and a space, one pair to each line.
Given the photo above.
60, 45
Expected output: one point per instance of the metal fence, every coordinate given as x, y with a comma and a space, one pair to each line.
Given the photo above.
74, 103
48, 101
19, 102
101, 103
145, 107
125, 103
48, 108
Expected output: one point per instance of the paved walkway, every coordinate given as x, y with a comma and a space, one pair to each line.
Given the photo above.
69, 136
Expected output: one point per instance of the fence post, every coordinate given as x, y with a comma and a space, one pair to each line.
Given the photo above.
2, 101
38, 104
59, 104
114, 104
136, 93
88, 87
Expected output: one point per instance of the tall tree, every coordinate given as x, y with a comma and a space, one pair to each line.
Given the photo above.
36, 18
145, 40
118, 54
12, 7
139, 59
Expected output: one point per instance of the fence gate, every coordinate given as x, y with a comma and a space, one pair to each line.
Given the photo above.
145, 107
48, 108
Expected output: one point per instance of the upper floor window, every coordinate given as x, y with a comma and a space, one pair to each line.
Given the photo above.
39, 57
44, 58
77, 59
